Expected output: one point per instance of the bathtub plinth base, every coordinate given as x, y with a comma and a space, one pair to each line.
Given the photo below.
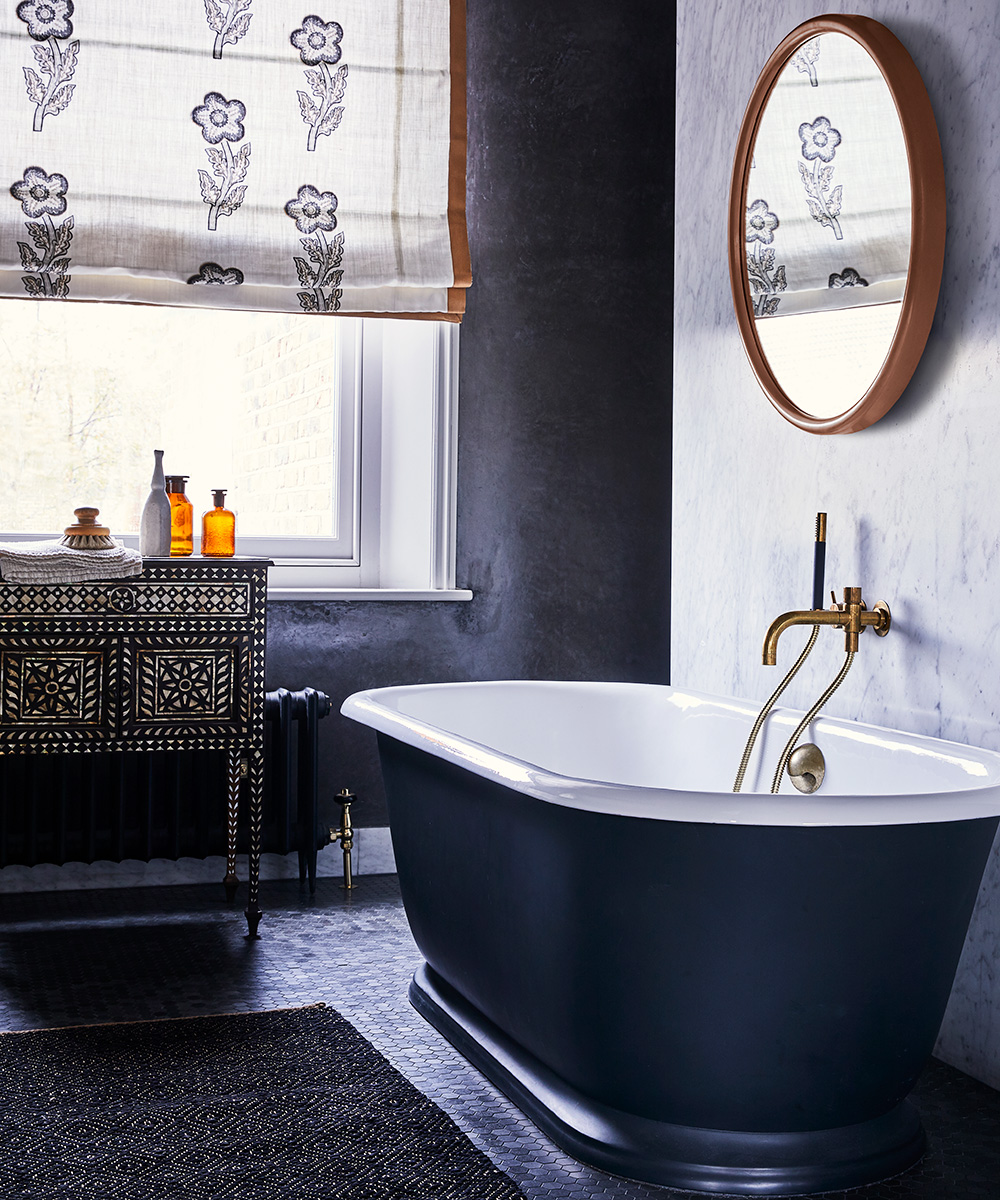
678, 1156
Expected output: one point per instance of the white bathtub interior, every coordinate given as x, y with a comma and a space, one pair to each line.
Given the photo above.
643, 736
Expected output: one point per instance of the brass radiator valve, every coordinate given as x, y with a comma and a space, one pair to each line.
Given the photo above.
345, 834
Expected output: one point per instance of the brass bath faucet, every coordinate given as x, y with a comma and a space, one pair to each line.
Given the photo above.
852, 616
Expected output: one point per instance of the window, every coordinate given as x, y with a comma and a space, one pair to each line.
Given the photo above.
334, 438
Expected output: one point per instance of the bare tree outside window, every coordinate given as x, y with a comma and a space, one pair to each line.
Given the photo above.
240, 400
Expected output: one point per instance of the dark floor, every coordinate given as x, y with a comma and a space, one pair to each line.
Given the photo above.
130, 954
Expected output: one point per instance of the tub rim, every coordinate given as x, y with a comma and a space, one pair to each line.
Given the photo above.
374, 708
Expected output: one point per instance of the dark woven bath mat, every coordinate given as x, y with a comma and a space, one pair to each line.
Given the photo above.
258, 1106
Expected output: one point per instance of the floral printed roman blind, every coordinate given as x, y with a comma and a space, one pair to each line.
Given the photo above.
828, 201
236, 154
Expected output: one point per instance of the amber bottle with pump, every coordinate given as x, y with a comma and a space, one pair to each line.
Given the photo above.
181, 517
218, 528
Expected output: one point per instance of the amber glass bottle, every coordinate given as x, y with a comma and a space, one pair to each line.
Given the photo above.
181, 517
218, 528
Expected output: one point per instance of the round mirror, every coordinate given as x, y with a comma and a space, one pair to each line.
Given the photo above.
836, 224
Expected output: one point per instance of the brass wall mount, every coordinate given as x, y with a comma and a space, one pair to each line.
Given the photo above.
852, 615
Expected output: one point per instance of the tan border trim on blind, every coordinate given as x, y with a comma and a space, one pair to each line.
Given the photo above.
453, 318
461, 261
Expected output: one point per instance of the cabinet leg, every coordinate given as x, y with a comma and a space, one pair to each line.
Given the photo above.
231, 881
256, 790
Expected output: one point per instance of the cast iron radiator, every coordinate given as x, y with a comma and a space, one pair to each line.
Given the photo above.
59, 808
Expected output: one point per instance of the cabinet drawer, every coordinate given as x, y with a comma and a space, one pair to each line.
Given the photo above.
64, 685
129, 599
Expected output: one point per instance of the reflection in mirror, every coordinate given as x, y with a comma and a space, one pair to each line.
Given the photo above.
829, 357
835, 269
828, 224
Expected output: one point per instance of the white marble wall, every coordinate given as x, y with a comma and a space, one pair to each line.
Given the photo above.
913, 502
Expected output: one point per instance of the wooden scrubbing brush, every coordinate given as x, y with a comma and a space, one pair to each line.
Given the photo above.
86, 534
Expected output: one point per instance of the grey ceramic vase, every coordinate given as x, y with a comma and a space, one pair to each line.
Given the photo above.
154, 529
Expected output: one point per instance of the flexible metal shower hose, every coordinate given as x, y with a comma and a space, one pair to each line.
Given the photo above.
790, 746
769, 705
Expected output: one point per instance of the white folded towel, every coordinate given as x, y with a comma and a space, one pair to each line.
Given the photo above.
52, 562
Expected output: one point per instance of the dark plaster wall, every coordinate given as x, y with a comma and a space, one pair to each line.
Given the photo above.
564, 426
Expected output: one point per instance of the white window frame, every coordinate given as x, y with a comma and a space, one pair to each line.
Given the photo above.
400, 380
397, 473
342, 550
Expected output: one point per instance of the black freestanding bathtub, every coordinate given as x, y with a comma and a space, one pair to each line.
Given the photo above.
726, 993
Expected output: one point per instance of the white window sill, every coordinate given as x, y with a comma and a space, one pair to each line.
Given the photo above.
360, 593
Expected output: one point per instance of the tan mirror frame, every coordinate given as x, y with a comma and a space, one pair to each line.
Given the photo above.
927, 222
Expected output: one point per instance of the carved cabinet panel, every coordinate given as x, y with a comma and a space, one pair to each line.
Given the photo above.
51, 686
195, 685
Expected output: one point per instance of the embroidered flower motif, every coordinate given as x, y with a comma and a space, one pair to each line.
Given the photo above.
313, 214
761, 223
819, 140
221, 121
805, 60
220, 118
47, 21
40, 193
847, 278
318, 41
229, 20
211, 272
44, 196
47, 18
765, 278
819, 144
312, 210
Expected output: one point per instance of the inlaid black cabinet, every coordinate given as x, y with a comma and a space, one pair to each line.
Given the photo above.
172, 659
